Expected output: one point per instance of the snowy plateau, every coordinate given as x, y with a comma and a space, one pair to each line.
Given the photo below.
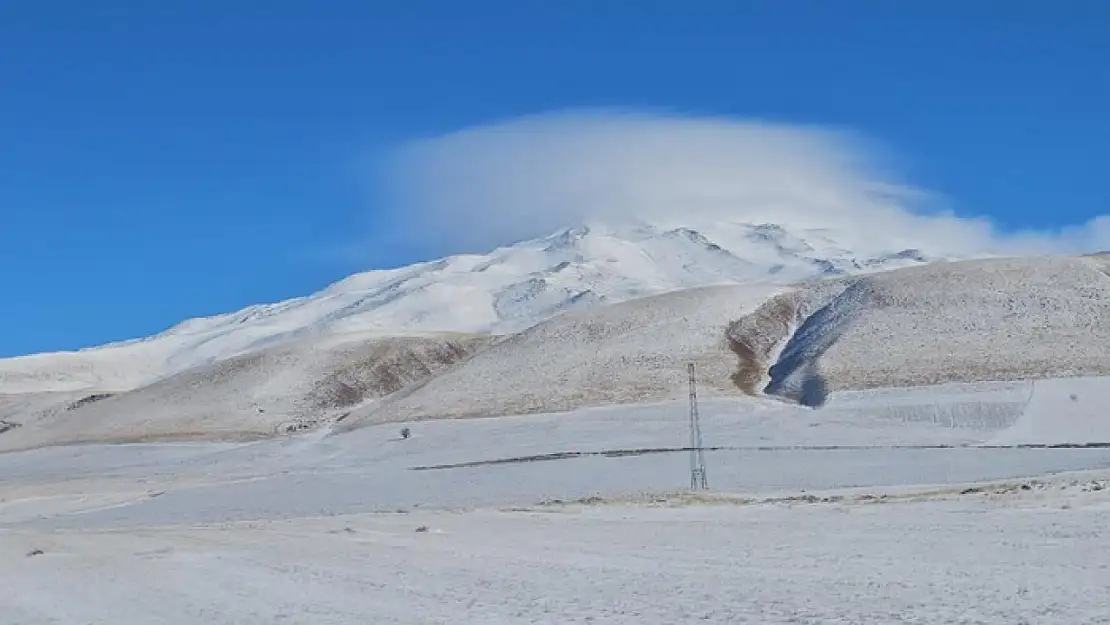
892, 433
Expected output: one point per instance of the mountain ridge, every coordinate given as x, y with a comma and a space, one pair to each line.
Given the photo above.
504, 291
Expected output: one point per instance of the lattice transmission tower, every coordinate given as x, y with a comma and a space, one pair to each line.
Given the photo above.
698, 479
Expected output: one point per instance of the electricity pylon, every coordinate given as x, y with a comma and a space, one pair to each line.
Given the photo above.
698, 478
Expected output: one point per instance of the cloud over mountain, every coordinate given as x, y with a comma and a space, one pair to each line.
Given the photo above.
496, 184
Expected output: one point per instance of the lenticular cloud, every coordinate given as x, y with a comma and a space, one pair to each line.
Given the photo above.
496, 184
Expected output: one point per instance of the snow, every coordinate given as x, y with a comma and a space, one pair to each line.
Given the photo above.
928, 436
1062, 411
958, 560
955, 468
882, 506
997, 319
630, 352
862, 439
981, 320
297, 385
505, 291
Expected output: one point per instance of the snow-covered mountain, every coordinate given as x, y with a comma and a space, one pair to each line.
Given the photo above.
504, 291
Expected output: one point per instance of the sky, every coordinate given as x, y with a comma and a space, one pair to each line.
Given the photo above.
167, 159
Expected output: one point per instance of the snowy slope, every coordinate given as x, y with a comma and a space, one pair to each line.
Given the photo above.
997, 319
505, 291
980, 320
287, 388
630, 352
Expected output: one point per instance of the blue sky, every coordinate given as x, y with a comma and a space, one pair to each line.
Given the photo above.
168, 159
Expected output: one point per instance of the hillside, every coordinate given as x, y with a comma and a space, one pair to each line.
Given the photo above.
502, 292
999, 319
284, 389
984, 320
967, 321
630, 352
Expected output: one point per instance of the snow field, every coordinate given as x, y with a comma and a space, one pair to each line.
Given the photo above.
880, 507
894, 437
1022, 557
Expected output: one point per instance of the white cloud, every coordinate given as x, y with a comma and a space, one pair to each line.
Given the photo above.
492, 185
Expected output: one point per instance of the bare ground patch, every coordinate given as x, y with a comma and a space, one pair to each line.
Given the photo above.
384, 369
999, 490
753, 339
89, 399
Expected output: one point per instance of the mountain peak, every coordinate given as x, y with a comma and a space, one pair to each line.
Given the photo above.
510, 288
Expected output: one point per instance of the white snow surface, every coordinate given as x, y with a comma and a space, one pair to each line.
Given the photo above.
632, 352
884, 506
995, 319
964, 502
504, 291
1061, 412
297, 385
967, 321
